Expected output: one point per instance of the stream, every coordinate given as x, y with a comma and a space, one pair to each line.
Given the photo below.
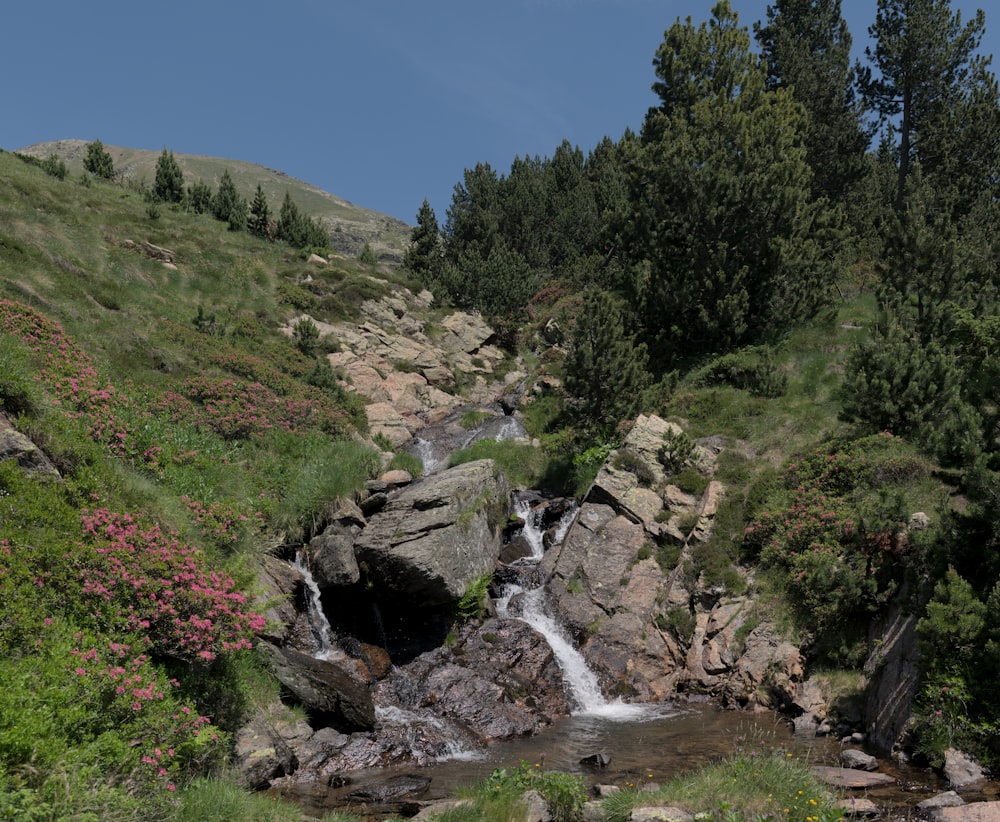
640, 743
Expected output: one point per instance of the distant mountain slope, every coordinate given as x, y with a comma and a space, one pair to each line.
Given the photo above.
351, 226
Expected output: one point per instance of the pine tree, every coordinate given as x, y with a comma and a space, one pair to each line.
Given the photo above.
239, 215
260, 215
924, 71
605, 366
169, 183
423, 255
807, 47
722, 210
226, 198
98, 162
200, 197
291, 224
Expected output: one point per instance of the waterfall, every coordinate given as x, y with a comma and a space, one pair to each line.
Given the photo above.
581, 682
317, 618
532, 533
425, 450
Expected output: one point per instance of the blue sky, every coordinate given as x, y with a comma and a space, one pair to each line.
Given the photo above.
382, 102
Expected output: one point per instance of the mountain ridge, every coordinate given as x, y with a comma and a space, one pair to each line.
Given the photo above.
351, 225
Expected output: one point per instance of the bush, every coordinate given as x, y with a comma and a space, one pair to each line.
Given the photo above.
751, 369
565, 794
676, 451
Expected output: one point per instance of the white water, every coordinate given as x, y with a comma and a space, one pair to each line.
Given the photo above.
425, 450
580, 681
317, 618
412, 721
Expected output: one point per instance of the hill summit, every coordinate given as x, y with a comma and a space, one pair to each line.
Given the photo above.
351, 226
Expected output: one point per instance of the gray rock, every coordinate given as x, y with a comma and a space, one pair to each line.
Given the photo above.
330, 556
970, 812
948, 799
260, 754
961, 770
16, 446
849, 778
437, 536
859, 760
667, 813
277, 584
330, 694
858, 806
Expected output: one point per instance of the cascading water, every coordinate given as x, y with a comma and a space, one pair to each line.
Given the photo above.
317, 618
425, 451
580, 681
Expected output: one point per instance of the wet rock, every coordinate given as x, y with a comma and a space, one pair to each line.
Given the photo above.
850, 778
331, 696
437, 536
330, 556
893, 673
961, 770
596, 760
853, 758
948, 799
277, 586
499, 680
395, 787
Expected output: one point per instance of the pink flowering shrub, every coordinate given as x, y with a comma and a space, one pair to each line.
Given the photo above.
94, 721
147, 582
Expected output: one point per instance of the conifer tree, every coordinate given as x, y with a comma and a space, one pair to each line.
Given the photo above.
924, 72
200, 197
423, 256
605, 366
291, 224
98, 162
226, 198
807, 47
720, 186
260, 215
169, 183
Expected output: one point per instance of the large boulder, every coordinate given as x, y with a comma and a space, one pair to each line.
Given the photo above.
328, 692
436, 536
330, 556
277, 589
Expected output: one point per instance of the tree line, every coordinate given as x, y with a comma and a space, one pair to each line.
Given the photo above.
225, 204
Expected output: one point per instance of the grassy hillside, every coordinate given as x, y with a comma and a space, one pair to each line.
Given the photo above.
190, 437
351, 226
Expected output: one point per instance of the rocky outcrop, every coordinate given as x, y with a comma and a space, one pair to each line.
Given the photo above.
16, 446
893, 675
647, 627
409, 371
330, 694
434, 538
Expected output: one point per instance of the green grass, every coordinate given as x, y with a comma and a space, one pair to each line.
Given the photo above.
524, 465
755, 784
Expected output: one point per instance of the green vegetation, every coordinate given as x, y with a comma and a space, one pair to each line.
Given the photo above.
757, 782
743, 266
